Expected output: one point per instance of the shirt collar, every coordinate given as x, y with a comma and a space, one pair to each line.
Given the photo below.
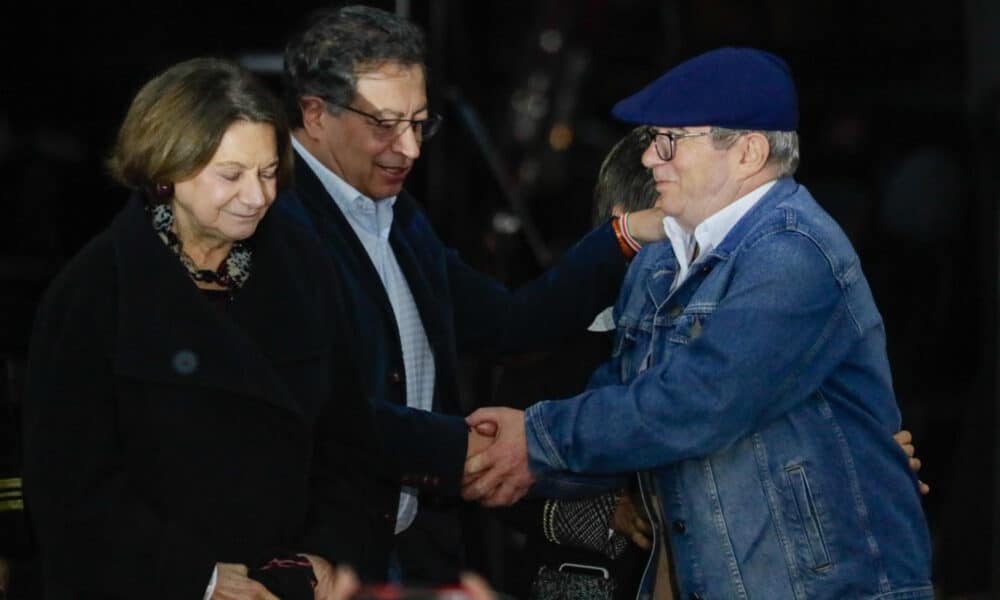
710, 232
361, 211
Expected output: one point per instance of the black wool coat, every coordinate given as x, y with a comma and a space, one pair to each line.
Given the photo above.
164, 433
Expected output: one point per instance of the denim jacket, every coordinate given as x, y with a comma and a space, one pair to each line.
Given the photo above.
756, 402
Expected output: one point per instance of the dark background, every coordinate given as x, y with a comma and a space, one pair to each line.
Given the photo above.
900, 108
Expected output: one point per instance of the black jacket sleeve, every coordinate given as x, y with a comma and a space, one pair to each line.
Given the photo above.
559, 304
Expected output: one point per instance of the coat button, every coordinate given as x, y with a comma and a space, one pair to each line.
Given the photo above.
185, 362
680, 526
675, 311
386, 516
395, 377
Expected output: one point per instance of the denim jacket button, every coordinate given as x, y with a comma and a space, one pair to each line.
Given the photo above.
675, 311
680, 526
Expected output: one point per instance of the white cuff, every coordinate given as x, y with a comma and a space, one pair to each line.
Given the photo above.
211, 584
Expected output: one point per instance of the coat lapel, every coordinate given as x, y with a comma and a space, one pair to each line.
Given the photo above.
169, 334
333, 229
423, 278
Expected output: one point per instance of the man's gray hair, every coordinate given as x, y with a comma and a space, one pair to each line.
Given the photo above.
336, 45
784, 146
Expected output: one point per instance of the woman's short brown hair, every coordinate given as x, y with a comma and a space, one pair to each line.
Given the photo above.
177, 120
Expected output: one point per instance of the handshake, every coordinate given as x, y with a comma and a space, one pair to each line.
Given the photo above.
496, 465
497, 473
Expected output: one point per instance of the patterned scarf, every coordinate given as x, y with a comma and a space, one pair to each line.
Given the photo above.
232, 273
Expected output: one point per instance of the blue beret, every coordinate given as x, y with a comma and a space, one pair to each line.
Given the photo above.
735, 88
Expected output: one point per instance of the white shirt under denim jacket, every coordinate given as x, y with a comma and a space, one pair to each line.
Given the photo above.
756, 399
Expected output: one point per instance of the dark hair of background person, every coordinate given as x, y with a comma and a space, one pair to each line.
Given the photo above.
623, 181
176, 122
326, 56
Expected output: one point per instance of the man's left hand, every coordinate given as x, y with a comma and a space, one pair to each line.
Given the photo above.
646, 225
501, 471
629, 519
905, 439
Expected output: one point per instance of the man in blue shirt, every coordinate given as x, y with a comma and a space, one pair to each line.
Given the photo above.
749, 383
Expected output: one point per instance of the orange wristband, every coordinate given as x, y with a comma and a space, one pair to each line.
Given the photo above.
628, 246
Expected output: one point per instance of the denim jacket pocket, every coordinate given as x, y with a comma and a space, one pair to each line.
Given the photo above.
685, 329
818, 554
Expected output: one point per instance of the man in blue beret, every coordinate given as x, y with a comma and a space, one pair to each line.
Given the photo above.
749, 384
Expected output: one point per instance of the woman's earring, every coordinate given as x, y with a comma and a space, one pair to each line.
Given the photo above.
164, 190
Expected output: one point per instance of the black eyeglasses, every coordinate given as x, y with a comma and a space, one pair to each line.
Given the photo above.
666, 141
390, 129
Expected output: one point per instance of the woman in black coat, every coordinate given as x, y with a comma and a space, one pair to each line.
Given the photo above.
193, 422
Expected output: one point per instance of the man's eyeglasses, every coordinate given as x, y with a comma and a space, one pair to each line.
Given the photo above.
666, 141
390, 129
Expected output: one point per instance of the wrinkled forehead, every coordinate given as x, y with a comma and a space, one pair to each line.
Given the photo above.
392, 88
389, 69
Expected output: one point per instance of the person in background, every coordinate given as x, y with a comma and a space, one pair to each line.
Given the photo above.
194, 426
750, 385
355, 93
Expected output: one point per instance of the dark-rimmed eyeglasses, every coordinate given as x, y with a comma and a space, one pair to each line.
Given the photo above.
390, 129
666, 141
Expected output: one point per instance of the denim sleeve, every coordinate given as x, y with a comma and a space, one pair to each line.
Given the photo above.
780, 329
608, 373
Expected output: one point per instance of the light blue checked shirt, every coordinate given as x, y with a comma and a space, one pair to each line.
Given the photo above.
371, 221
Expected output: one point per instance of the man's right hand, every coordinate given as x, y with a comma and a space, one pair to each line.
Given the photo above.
481, 437
232, 583
500, 474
